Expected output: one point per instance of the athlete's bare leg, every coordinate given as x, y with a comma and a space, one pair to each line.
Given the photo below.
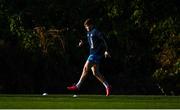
98, 75
86, 68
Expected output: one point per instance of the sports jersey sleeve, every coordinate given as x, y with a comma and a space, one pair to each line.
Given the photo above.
102, 37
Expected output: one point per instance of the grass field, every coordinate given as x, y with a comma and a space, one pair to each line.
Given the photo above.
88, 102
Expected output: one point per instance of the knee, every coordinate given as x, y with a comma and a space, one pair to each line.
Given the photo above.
85, 69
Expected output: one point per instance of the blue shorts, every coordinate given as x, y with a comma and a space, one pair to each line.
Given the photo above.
94, 58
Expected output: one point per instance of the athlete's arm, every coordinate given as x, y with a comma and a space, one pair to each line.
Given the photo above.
80, 43
106, 53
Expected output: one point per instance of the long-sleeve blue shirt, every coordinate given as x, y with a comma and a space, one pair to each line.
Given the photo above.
95, 40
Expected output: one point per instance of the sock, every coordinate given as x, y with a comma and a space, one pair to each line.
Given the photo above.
105, 84
79, 83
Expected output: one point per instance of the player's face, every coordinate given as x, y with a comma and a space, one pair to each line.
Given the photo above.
87, 28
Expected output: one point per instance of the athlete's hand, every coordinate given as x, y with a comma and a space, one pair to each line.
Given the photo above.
80, 43
106, 54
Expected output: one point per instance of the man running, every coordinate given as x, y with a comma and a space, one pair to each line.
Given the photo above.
98, 48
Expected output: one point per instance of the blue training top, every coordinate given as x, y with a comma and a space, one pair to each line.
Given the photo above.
95, 40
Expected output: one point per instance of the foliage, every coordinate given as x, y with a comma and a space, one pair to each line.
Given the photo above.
26, 38
143, 37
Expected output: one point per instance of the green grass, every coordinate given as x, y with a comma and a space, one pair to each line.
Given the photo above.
88, 102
